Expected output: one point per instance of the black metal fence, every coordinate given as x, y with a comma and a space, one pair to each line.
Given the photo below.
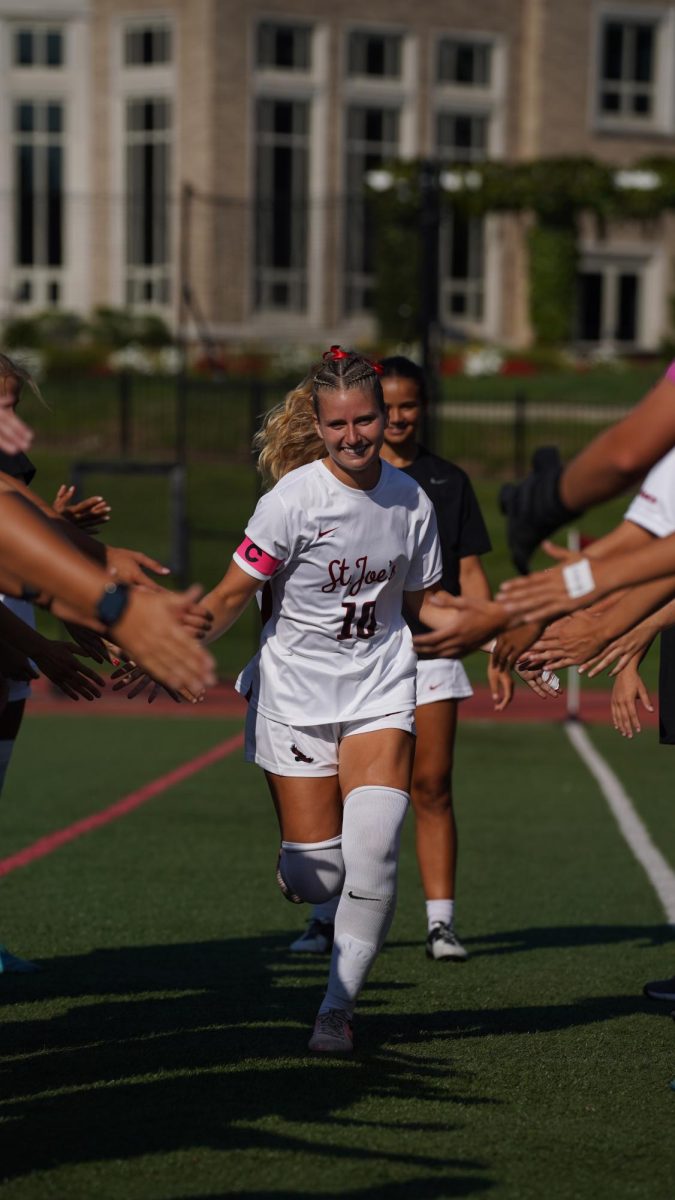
185, 419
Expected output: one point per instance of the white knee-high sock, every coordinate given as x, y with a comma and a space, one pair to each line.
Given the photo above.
371, 834
313, 870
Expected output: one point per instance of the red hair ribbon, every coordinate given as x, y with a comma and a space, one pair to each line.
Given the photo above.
336, 352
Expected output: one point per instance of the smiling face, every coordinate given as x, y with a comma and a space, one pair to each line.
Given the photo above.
350, 423
404, 407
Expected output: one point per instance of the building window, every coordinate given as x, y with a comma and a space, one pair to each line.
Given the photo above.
609, 302
38, 189
374, 55
148, 184
464, 63
372, 139
282, 209
462, 137
628, 69
284, 47
38, 46
147, 45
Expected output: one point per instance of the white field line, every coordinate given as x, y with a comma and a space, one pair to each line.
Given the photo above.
659, 872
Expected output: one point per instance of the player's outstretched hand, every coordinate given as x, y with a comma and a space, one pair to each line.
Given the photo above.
511, 645
620, 651
93, 645
152, 633
59, 663
460, 625
131, 566
549, 594
628, 691
570, 641
89, 514
198, 619
134, 680
15, 435
501, 687
544, 683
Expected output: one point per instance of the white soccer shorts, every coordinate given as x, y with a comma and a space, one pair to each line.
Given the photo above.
441, 679
308, 749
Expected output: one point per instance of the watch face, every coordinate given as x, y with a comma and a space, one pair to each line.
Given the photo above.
112, 603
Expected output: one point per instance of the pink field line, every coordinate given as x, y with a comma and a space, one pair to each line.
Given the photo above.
61, 837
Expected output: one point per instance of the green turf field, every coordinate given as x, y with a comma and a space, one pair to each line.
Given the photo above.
160, 1055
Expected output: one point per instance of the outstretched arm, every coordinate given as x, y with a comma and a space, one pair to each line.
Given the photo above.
229, 598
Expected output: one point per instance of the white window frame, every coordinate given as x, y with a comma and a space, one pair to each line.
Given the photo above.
487, 101
69, 86
149, 81
309, 86
662, 118
612, 259
401, 94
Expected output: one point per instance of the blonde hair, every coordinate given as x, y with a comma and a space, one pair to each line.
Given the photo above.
287, 438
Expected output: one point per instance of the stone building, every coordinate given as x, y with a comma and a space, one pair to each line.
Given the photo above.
224, 143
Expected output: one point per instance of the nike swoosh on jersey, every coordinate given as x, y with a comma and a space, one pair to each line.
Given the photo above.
355, 897
324, 532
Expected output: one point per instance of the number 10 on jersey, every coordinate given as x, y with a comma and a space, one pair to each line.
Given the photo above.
366, 623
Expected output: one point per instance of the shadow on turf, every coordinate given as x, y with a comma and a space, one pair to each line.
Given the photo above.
201, 1046
518, 941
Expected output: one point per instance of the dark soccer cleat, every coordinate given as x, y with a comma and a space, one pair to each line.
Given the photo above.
443, 944
317, 938
11, 964
660, 989
333, 1033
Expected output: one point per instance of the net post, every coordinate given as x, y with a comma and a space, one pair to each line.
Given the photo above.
573, 695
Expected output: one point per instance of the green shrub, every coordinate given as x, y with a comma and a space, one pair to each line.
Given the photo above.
553, 282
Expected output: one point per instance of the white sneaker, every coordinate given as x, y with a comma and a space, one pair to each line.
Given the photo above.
317, 938
333, 1033
443, 943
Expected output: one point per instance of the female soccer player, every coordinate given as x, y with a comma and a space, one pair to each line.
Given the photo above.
441, 682
344, 542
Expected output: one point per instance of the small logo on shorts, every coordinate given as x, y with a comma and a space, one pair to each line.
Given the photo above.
299, 756
325, 532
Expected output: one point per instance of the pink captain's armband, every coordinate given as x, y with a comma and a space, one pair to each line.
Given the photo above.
259, 560
670, 373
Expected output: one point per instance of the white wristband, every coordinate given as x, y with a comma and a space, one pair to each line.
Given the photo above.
578, 579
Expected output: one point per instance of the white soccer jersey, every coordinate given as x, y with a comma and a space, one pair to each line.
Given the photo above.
654, 506
338, 560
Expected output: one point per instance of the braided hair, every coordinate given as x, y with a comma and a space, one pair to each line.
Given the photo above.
287, 438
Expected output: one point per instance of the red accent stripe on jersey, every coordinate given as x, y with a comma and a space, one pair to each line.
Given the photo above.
61, 837
259, 559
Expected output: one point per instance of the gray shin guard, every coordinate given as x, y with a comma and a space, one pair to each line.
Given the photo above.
315, 871
371, 835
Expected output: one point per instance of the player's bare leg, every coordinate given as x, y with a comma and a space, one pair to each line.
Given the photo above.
435, 826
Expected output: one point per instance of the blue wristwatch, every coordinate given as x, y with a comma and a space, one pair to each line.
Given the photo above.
112, 604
